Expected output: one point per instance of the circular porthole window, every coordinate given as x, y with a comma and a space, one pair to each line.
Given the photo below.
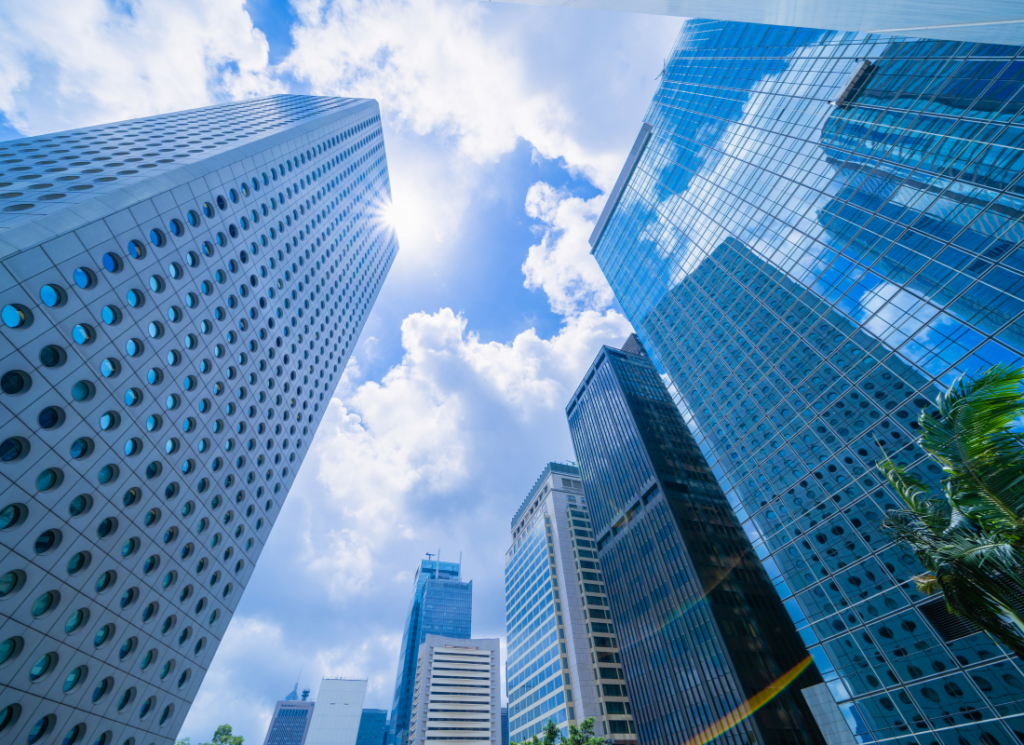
52, 296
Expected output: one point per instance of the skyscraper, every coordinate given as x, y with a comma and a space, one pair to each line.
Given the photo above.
456, 696
442, 604
337, 713
180, 295
289, 723
987, 21
372, 726
563, 663
701, 630
814, 233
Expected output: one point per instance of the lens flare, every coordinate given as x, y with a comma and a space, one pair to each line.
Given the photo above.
750, 706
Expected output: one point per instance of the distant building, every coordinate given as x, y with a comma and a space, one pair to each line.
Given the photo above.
372, 726
563, 663
441, 604
294, 695
339, 709
290, 722
456, 695
504, 725
701, 629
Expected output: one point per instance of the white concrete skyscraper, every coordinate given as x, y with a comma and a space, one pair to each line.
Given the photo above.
563, 659
179, 295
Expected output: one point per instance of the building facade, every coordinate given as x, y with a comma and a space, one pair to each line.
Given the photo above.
456, 697
180, 295
701, 629
372, 727
988, 21
814, 234
563, 663
289, 723
338, 712
442, 604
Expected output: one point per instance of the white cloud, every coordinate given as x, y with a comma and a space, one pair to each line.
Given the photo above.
72, 63
386, 451
561, 264
434, 69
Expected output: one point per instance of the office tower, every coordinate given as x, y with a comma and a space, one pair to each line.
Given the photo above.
701, 630
988, 21
337, 713
811, 242
563, 663
504, 725
180, 295
372, 726
441, 604
456, 696
290, 722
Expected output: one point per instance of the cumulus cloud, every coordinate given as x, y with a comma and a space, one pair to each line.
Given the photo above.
431, 65
70, 63
561, 264
386, 450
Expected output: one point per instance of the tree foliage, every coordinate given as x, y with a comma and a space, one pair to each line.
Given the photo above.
970, 538
581, 735
224, 736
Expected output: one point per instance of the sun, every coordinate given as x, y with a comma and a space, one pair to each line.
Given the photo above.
389, 215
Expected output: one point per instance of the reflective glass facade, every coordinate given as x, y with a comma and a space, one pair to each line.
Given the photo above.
180, 296
372, 726
442, 604
819, 231
290, 722
700, 628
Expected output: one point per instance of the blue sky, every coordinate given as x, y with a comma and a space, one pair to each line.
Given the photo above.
504, 127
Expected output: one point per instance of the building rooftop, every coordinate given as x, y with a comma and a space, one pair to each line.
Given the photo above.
548, 470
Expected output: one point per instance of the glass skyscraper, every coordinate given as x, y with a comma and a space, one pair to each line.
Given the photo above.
442, 604
701, 629
814, 232
563, 663
372, 727
290, 722
179, 295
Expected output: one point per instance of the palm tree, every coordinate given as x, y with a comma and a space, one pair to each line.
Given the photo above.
971, 537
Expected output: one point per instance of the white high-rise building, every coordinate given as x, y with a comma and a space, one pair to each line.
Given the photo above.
563, 661
336, 715
179, 296
456, 699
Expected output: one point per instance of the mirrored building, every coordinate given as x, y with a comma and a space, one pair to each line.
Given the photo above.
814, 232
180, 295
442, 604
701, 631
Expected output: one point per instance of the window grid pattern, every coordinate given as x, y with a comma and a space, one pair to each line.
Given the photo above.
165, 368
806, 276
699, 627
442, 604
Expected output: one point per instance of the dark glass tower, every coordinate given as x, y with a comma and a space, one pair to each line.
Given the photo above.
180, 295
442, 604
815, 231
372, 726
700, 626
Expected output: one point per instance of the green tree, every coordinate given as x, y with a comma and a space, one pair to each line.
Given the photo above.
224, 736
970, 538
184, 741
582, 735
